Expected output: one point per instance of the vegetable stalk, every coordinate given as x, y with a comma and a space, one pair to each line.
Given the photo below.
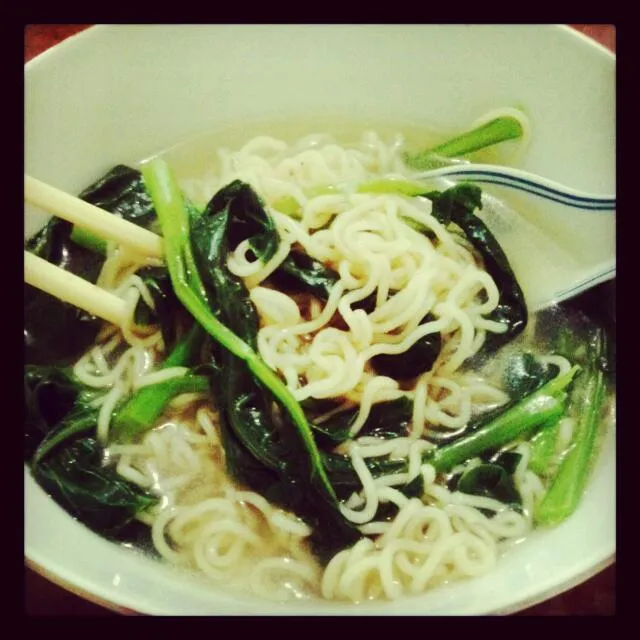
141, 411
488, 134
542, 406
147, 404
543, 448
568, 486
84, 238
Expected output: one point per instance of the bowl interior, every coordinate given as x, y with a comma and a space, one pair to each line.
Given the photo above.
119, 94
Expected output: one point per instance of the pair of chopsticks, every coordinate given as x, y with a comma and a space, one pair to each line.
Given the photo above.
65, 285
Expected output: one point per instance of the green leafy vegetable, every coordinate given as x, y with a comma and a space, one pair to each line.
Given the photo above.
490, 481
270, 438
281, 441
248, 219
80, 420
598, 306
505, 425
76, 478
121, 191
50, 393
67, 461
300, 272
523, 375
158, 283
57, 333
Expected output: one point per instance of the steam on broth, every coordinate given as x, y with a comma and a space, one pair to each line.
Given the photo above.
383, 417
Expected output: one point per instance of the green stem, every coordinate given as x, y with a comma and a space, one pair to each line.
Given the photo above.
493, 132
147, 404
541, 407
392, 185
568, 486
543, 447
88, 240
185, 351
514, 423
141, 410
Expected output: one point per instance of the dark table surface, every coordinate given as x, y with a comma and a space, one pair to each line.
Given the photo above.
596, 596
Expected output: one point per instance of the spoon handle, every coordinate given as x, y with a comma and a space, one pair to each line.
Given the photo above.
525, 181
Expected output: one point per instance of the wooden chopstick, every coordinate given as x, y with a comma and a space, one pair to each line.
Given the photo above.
103, 224
70, 288
65, 285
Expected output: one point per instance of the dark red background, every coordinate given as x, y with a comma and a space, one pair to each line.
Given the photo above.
594, 597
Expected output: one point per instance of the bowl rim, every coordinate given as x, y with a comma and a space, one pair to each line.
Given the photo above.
524, 603
89, 31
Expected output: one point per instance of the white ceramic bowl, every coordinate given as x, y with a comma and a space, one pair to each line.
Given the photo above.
119, 94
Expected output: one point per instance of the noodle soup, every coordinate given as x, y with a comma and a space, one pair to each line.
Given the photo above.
403, 338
